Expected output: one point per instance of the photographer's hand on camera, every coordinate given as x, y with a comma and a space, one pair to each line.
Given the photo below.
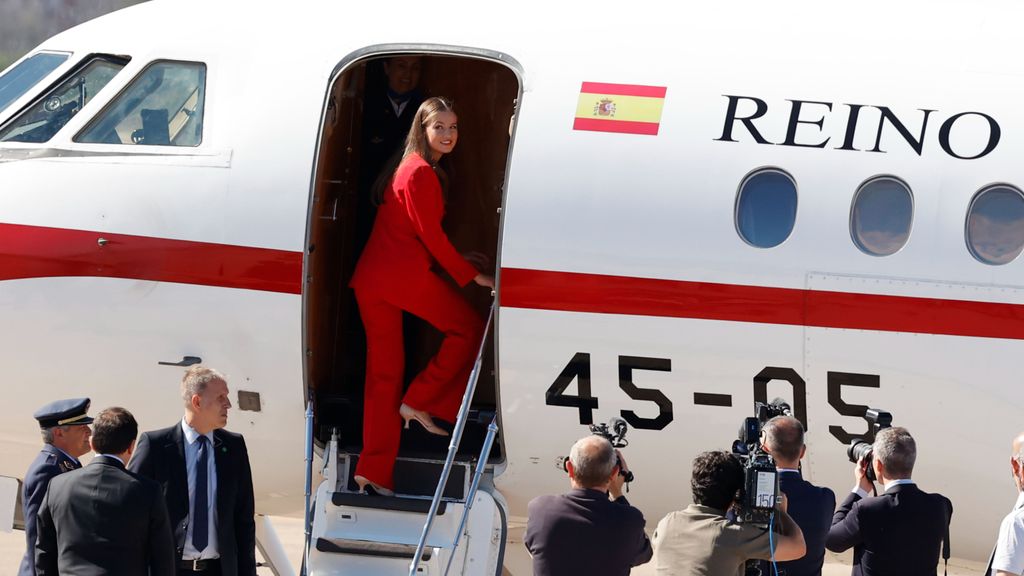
860, 476
618, 480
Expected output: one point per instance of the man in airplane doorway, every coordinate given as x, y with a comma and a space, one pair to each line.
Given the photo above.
65, 428
592, 529
1008, 555
810, 506
387, 116
207, 481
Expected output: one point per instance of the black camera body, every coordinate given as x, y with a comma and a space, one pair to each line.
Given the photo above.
760, 493
861, 448
615, 432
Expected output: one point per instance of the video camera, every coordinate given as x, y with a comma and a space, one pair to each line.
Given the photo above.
760, 492
615, 432
861, 448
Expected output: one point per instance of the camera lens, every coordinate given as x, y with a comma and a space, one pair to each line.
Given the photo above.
858, 449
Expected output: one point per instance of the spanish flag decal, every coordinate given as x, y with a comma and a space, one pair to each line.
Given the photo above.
623, 108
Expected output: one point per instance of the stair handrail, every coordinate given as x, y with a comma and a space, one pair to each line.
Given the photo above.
307, 522
481, 464
453, 446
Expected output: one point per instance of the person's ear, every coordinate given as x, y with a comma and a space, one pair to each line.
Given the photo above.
615, 472
91, 445
803, 451
1015, 467
569, 468
879, 468
196, 402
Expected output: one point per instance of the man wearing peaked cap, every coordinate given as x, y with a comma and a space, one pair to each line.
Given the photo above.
64, 425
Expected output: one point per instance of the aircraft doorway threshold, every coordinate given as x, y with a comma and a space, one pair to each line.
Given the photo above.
354, 533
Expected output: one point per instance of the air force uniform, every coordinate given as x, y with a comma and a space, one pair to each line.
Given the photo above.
50, 462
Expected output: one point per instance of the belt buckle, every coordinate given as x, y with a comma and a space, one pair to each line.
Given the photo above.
198, 565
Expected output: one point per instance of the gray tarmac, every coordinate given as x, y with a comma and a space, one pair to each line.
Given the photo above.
12, 546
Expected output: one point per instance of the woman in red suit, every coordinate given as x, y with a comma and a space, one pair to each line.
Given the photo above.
393, 276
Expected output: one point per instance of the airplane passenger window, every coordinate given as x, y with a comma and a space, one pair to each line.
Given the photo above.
881, 217
766, 208
20, 79
49, 113
163, 106
995, 225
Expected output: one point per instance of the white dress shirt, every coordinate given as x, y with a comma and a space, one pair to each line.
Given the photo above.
1009, 553
191, 452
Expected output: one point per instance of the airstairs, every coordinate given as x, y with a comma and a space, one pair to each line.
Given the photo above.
445, 517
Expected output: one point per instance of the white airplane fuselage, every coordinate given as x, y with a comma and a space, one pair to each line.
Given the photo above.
620, 261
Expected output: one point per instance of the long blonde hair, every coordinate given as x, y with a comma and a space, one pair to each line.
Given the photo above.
416, 143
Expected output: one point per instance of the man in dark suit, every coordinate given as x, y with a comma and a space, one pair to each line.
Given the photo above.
65, 428
585, 532
391, 102
902, 530
102, 519
206, 479
810, 506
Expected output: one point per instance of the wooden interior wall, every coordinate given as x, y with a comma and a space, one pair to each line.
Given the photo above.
333, 257
484, 96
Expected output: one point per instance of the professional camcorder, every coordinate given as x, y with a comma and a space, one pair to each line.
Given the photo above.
861, 448
760, 492
615, 432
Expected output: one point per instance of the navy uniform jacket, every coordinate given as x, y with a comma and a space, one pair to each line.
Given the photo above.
48, 463
899, 532
583, 532
104, 520
811, 507
160, 455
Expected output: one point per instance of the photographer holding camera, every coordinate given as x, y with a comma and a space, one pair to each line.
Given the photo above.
703, 540
902, 530
583, 531
810, 506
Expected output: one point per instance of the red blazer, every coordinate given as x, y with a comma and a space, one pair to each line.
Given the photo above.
407, 236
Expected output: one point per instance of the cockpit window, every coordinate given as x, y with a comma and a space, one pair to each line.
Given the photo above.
20, 79
163, 106
48, 114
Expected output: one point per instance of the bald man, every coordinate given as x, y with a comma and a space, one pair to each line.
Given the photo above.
1008, 556
592, 529
810, 506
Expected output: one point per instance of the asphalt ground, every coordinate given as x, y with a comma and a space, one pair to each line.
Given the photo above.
12, 546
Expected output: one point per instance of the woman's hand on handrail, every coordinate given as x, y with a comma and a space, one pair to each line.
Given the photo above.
485, 280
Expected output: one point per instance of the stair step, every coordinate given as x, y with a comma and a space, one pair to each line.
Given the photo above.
364, 548
414, 477
394, 503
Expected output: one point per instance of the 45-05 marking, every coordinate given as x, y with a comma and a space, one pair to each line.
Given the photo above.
578, 369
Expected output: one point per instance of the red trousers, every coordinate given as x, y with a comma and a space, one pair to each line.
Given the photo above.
438, 389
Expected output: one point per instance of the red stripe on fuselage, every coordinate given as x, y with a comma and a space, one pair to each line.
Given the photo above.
574, 292
40, 252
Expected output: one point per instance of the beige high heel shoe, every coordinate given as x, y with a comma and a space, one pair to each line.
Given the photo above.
409, 414
364, 483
